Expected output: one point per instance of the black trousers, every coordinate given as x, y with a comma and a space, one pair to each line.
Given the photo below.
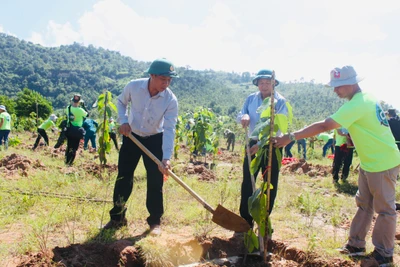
129, 157
61, 139
113, 137
247, 190
41, 133
342, 158
70, 152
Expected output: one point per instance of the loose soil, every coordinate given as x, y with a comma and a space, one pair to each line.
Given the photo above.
181, 248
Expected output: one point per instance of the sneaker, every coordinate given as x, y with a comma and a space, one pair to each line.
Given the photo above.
113, 224
381, 260
352, 251
155, 230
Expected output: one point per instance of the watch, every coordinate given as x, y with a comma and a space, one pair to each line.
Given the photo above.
292, 137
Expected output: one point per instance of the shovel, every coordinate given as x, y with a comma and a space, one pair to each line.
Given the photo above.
221, 216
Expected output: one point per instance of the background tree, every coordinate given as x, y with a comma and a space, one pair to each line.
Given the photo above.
29, 101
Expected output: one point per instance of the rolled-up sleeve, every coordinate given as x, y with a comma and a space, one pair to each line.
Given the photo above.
122, 103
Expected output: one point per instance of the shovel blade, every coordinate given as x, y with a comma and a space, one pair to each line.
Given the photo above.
230, 220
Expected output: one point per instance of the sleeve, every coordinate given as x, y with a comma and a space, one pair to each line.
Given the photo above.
245, 110
122, 103
170, 118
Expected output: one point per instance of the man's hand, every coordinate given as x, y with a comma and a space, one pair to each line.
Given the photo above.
245, 121
281, 141
253, 150
165, 166
125, 129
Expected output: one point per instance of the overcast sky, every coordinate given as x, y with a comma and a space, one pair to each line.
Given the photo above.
297, 39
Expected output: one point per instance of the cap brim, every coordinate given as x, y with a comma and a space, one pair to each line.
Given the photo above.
350, 81
269, 77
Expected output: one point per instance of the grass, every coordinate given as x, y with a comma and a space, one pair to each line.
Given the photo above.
308, 213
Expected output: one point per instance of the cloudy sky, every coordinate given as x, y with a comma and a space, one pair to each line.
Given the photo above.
298, 39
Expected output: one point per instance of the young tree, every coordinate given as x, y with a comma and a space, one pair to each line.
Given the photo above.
29, 101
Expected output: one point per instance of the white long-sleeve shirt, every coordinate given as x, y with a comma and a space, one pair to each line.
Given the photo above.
149, 115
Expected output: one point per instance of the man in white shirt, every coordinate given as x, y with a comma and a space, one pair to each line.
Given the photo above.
152, 119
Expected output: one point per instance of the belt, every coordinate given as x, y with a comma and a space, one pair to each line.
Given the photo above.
147, 136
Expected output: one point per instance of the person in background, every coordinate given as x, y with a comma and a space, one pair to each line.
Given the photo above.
248, 117
302, 147
394, 122
90, 127
363, 117
344, 149
329, 142
230, 138
62, 137
152, 121
49, 123
288, 147
5, 126
75, 117
112, 133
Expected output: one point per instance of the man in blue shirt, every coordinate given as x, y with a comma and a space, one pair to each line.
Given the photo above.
152, 120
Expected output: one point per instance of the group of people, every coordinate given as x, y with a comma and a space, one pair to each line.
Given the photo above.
359, 123
361, 120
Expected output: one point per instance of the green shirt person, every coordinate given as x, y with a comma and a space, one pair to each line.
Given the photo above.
49, 123
369, 129
5, 126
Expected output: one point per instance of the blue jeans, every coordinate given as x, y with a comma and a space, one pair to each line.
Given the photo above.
92, 138
4, 136
301, 143
289, 154
328, 145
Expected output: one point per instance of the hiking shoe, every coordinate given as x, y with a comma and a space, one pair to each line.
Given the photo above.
113, 224
381, 260
155, 230
352, 251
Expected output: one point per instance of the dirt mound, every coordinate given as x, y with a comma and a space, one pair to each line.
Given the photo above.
97, 170
202, 171
303, 167
178, 253
19, 164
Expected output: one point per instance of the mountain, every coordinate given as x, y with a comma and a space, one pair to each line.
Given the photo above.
58, 72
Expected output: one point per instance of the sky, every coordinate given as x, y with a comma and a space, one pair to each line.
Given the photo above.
299, 40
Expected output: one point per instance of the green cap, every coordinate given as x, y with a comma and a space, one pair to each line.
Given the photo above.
264, 74
162, 67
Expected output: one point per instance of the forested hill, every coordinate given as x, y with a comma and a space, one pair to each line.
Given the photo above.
58, 72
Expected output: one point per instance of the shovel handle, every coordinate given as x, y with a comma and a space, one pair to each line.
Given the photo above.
176, 178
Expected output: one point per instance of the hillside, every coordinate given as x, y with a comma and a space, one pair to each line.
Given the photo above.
57, 72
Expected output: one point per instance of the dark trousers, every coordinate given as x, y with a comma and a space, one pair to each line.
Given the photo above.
328, 145
288, 147
61, 139
92, 138
342, 157
70, 152
41, 133
113, 137
129, 157
247, 190
301, 146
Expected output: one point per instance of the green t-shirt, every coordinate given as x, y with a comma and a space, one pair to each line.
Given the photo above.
369, 129
6, 121
339, 140
78, 115
47, 124
325, 137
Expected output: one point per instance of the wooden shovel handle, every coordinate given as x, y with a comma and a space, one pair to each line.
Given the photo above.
176, 178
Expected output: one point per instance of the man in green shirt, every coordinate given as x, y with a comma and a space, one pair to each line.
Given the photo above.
5, 126
379, 157
49, 123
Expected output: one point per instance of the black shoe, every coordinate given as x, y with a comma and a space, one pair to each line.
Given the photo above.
113, 224
352, 251
381, 260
